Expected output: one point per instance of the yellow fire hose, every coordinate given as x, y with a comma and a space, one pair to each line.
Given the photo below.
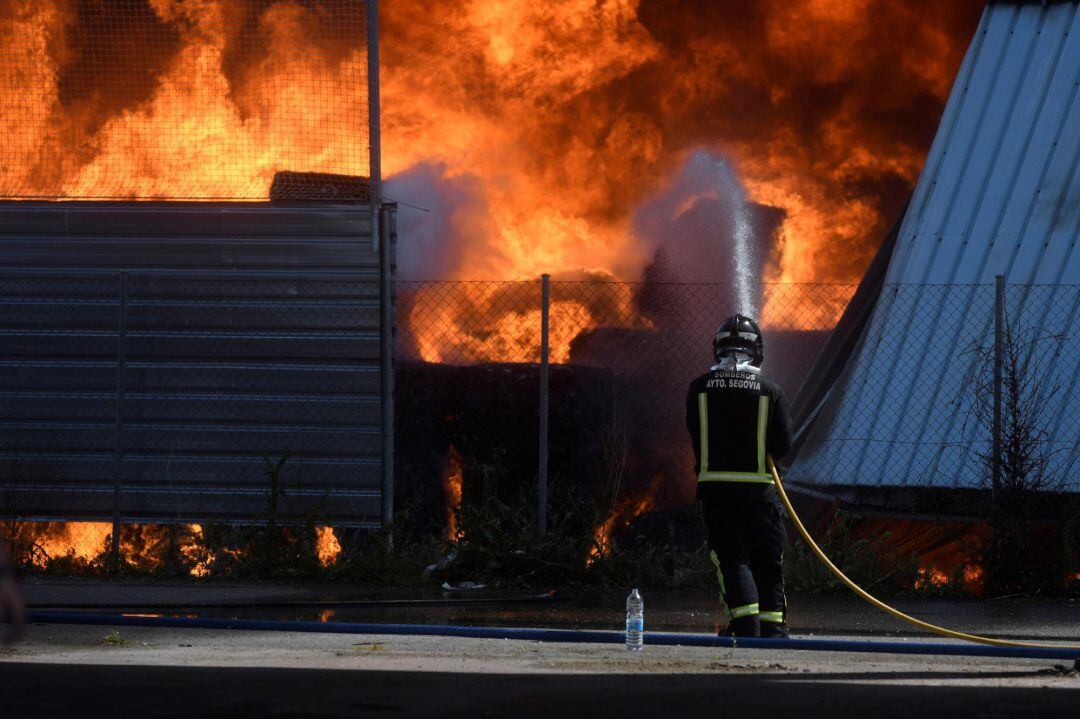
941, 631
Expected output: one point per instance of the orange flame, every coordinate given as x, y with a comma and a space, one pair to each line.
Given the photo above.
972, 576
930, 578
84, 541
974, 579
192, 551
143, 546
493, 322
452, 486
327, 546
619, 519
560, 118
557, 119
202, 131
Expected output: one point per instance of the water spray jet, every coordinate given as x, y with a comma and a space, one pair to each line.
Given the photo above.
743, 235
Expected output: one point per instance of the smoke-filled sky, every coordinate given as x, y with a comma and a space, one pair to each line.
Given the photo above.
537, 132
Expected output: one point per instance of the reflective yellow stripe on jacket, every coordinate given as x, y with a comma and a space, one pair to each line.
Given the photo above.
703, 425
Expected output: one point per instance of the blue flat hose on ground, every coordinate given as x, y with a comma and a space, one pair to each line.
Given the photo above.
579, 636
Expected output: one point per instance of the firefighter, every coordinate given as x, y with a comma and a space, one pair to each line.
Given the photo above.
736, 417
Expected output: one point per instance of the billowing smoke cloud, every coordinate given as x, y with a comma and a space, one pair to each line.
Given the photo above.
444, 215
702, 229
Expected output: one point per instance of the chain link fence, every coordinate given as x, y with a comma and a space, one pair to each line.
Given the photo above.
622, 355
226, 99
175, 397
906, 429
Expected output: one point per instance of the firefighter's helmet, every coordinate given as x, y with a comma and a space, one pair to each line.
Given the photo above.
739, 334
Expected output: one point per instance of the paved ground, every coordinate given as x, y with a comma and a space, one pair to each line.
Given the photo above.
95, 671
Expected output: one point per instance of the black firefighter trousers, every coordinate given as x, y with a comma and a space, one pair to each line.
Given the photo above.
745, 524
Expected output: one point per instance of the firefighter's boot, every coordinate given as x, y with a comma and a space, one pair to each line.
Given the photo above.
774, 630
742, 627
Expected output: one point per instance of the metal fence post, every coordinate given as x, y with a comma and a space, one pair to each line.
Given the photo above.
118, 444
380, 241
999, 331
387, 326
542, 470
371, 17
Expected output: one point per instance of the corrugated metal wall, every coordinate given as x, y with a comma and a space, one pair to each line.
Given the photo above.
165, 356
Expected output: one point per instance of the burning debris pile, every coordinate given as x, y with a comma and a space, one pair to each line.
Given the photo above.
651, 143
476, 426
169, 549
659, 144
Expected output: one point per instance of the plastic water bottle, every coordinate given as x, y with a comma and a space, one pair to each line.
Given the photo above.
635, 621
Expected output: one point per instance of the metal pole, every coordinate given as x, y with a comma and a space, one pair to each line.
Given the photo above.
118, 444
386, 263
999, 331
381, 236
542, 472
374, 109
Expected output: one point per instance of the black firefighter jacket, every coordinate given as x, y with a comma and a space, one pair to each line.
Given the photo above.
735, 418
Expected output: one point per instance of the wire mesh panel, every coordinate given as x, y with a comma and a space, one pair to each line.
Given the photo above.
200, 395
234, 383
58, 393
904, 413
452, 322
466, 389
898, 416
222, 99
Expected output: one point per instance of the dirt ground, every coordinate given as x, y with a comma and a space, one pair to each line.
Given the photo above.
91, 671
